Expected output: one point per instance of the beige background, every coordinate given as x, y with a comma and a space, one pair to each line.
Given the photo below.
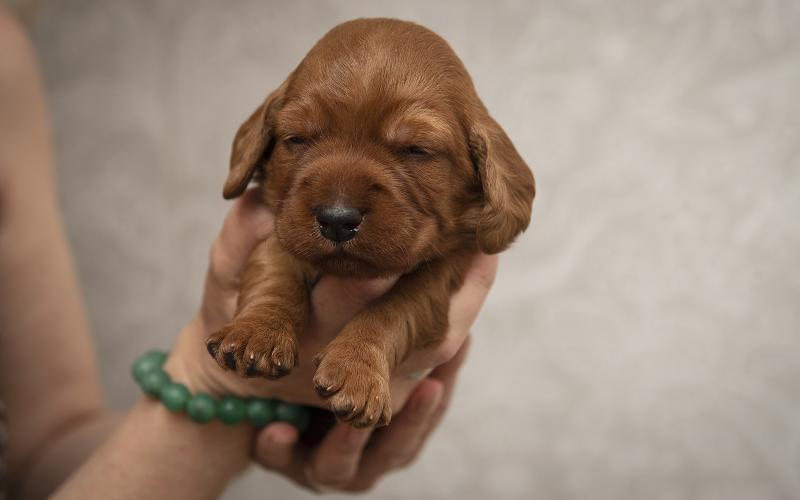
643, 339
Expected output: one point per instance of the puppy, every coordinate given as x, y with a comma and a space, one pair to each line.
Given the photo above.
377, 158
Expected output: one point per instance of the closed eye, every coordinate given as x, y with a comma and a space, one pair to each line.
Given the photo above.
415, 152
296, 140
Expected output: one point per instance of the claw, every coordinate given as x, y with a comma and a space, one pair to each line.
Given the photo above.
213, 348
230, 360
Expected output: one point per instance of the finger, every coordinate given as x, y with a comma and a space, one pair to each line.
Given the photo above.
335, 461
275, 446
465, 305
447, 374
400, 443
247, 223
468, 300
334, 301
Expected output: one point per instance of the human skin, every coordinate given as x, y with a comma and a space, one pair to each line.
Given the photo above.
337, 462
150, 451
41, 303
154, 451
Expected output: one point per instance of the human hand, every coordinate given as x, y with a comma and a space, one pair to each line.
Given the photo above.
353, 460
334, 302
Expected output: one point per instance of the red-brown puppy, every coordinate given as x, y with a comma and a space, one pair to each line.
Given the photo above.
377, 158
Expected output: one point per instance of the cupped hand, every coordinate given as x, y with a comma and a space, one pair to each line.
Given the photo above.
337, 462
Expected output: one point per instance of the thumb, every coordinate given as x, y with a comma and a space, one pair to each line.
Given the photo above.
248, 223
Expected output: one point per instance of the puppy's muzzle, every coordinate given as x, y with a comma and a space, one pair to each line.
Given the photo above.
339, 223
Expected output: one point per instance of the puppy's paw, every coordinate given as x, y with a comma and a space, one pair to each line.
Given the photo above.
251, 349
355, 385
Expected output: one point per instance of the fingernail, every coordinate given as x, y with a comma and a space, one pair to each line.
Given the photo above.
420, 374
277, 437
282, 439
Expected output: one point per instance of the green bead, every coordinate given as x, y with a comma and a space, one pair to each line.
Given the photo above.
201, 408
146, 363
154, 381
260, 412
303, 420
175, 396
232, 410
296, 415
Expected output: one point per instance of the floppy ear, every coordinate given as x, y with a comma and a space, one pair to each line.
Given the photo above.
252, 144
508, 186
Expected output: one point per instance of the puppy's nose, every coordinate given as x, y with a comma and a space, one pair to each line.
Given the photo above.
338, 223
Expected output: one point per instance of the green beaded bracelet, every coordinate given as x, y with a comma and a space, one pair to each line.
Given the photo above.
148, 371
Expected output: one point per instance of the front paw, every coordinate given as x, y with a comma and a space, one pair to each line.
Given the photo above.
255, 349
355, 385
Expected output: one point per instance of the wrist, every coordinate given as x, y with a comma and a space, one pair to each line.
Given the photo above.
214, 437
170, 444
190, 364
201, 407
154, 451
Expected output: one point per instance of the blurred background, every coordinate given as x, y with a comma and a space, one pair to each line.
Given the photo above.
643, 338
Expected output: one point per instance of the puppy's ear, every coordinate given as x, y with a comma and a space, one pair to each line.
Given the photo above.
507, 182
252, 145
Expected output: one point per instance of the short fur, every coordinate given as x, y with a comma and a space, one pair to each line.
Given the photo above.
381, 115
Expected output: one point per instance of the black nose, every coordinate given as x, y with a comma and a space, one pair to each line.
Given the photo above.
338, 223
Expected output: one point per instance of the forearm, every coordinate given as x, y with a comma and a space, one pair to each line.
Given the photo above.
157, 454
48, 378
62, 457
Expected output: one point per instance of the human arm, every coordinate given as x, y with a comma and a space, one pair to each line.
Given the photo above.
141, 456
46, 357
37, 270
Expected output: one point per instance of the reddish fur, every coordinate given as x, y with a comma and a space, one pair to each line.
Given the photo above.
367, 90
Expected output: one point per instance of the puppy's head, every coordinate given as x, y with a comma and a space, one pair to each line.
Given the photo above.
376, 155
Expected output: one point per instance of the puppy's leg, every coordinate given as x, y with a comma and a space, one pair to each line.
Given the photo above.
353, 370
272, 310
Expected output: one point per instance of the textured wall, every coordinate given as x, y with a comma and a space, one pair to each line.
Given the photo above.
643, 339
